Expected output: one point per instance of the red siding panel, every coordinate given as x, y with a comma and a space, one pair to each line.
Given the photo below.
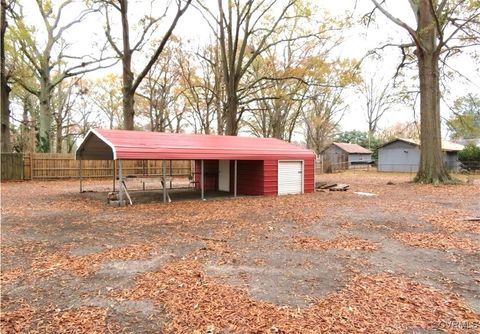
309, 175
270, 179
210, 174
254, 177
250, 177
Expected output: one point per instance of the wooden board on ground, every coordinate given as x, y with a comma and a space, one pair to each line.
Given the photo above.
327, 185
471, 219
340, 187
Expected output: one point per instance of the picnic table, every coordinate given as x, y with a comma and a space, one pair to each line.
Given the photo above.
144, 180
148, 180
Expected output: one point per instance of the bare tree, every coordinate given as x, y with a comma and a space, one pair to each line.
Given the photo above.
409, 130
444, 28
290, 76
200, 86
465, 120
278, 93
377, 97
64, 99
106, 95
41, 58
23, 137
83, 117
126, 51
159, 89
322, 116
234, 24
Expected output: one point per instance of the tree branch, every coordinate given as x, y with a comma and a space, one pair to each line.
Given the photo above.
153, 59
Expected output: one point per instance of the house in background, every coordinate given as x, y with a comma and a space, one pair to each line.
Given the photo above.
338, 156
403, 155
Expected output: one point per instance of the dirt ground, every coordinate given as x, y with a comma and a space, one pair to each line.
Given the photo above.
404, 260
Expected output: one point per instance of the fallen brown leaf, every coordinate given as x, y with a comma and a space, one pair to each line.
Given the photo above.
438, 241
348, 243
380, 303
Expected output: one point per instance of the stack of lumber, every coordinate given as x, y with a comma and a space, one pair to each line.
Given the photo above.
332, 186
340, 187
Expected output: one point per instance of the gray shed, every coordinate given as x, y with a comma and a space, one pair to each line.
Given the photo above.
344, 155
403, 155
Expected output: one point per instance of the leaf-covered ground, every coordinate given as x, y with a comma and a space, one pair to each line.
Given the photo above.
404, 260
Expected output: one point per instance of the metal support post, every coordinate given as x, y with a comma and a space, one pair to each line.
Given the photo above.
81, 178
164, 181
171, 173
202, 179
120, 182
114, 173
235, 179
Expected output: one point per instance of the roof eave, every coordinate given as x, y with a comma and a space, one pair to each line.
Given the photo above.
102, 138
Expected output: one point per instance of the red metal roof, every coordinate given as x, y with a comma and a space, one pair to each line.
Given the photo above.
353, 148
157, 145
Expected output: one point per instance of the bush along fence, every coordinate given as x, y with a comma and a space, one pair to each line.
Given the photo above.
30, 166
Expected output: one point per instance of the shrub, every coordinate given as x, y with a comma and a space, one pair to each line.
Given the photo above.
470, 156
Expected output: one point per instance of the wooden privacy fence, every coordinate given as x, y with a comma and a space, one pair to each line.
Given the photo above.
60, 166
12, 166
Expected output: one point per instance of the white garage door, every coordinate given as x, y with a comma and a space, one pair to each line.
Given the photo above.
290, 177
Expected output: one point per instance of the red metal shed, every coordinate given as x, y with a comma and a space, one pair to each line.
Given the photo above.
236, 164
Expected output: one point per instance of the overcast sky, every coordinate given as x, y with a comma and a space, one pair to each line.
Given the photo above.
358, 41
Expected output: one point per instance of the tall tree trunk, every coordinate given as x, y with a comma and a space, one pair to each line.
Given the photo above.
45, 120
220, 115
152, 116
6, 145
128, 91
27, 129
128, 96
128, 111
218, 94
5, 130
58, 138
431, 169
24, 127
231, 125
277, 122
